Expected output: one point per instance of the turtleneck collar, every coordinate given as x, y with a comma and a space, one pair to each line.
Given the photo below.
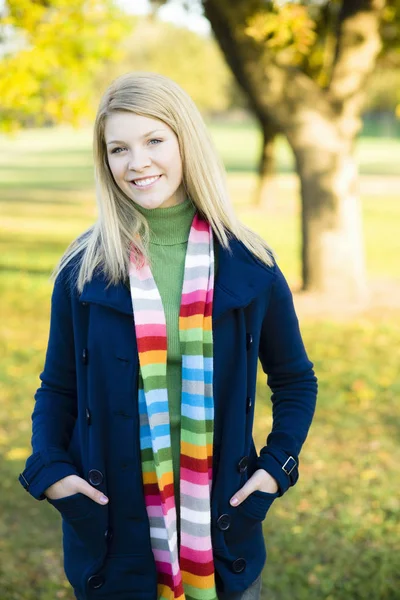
169, 226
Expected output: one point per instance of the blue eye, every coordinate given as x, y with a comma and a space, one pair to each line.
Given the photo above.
114, 150
155, 140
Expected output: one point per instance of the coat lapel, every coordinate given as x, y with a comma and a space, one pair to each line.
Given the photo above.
240, 279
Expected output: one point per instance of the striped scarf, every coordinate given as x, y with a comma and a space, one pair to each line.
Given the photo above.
191, 576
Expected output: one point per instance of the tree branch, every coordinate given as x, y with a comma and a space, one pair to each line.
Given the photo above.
358, 47
272, 89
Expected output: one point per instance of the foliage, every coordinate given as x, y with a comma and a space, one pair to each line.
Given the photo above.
180, 54
335, 535
288, 31
59, 46
303, 35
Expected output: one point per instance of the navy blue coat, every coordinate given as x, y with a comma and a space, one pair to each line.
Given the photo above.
85, 422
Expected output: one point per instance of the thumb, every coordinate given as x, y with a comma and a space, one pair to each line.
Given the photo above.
242, 494
91, 492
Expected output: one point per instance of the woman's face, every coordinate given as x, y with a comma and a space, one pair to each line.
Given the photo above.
144, 159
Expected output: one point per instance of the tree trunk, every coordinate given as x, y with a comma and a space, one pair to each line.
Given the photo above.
331, 222
265, 190
320, 124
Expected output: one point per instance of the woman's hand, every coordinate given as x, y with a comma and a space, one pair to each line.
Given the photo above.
260, 480
68, 486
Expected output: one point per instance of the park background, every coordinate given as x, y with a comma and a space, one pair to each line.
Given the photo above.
335, 535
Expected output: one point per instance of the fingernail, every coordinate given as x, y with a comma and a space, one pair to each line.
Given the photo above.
103, 499
234, 501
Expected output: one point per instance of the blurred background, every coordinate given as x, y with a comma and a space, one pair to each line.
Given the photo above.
302, 100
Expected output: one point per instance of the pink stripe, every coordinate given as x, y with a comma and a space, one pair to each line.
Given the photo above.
153, 501
163, 567
154, 511
151, 331
199, 237
169, 569
210, 295
200, 283
151, 317
162, 557
194, 490
144, 274
140, 275
203, 552
194, 477
190, 298
156, 331
200, 224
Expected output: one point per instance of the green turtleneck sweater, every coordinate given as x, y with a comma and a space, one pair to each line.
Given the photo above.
169, 234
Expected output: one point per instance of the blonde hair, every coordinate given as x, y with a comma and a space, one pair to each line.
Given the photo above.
106, 244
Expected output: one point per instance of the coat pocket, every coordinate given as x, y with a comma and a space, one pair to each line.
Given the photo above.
247, 518
257, 504
73, 507
84, 524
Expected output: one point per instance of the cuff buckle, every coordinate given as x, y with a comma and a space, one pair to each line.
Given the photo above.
292, 465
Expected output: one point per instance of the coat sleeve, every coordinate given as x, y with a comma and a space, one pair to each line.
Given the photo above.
293, 383
55, 407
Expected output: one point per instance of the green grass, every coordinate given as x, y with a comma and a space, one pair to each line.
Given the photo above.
335, 535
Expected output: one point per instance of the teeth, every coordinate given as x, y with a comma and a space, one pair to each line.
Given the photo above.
143, 182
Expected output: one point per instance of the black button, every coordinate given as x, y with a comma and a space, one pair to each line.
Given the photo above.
249, 340
88, 416
224, 522
248, 404
95, 477
85, 356
95, 582
242, 464
84, 303
238, 565
108, 534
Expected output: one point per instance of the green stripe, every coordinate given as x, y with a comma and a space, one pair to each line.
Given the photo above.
193, 426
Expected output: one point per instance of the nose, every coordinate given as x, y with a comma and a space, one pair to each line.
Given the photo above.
139, 160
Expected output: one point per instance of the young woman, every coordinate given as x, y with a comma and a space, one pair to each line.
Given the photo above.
142, 427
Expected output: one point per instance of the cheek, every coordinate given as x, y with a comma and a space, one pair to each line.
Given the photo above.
175, 164
115, 168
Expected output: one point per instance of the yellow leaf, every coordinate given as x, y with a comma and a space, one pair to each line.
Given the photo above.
18, 454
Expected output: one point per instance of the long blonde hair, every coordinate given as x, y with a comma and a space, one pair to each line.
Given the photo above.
105, 245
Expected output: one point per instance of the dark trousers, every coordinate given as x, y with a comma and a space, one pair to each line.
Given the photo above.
251, 593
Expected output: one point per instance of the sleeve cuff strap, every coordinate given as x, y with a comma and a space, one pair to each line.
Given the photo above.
38, 476
283, 468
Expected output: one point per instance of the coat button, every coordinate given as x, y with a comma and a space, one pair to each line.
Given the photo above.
108, 534
224, 522
88, 416
242, 464
95, 477
95, 582
84, 303
238, 565
248, 404
249, 340
85, 356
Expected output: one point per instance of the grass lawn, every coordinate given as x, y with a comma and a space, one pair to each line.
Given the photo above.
336, 534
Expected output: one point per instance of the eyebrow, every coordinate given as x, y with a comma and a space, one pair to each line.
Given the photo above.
143, 136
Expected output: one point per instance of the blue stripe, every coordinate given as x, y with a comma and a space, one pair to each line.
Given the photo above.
197, 400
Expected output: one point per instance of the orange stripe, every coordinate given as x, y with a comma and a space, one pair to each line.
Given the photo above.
204, 582
166, 479
192, 450
195, 322
154, 357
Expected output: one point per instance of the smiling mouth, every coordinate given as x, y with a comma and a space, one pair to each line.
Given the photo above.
145, 183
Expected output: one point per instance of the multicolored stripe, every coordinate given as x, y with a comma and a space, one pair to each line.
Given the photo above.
191, 575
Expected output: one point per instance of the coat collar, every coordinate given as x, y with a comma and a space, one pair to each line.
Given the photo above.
241, 277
